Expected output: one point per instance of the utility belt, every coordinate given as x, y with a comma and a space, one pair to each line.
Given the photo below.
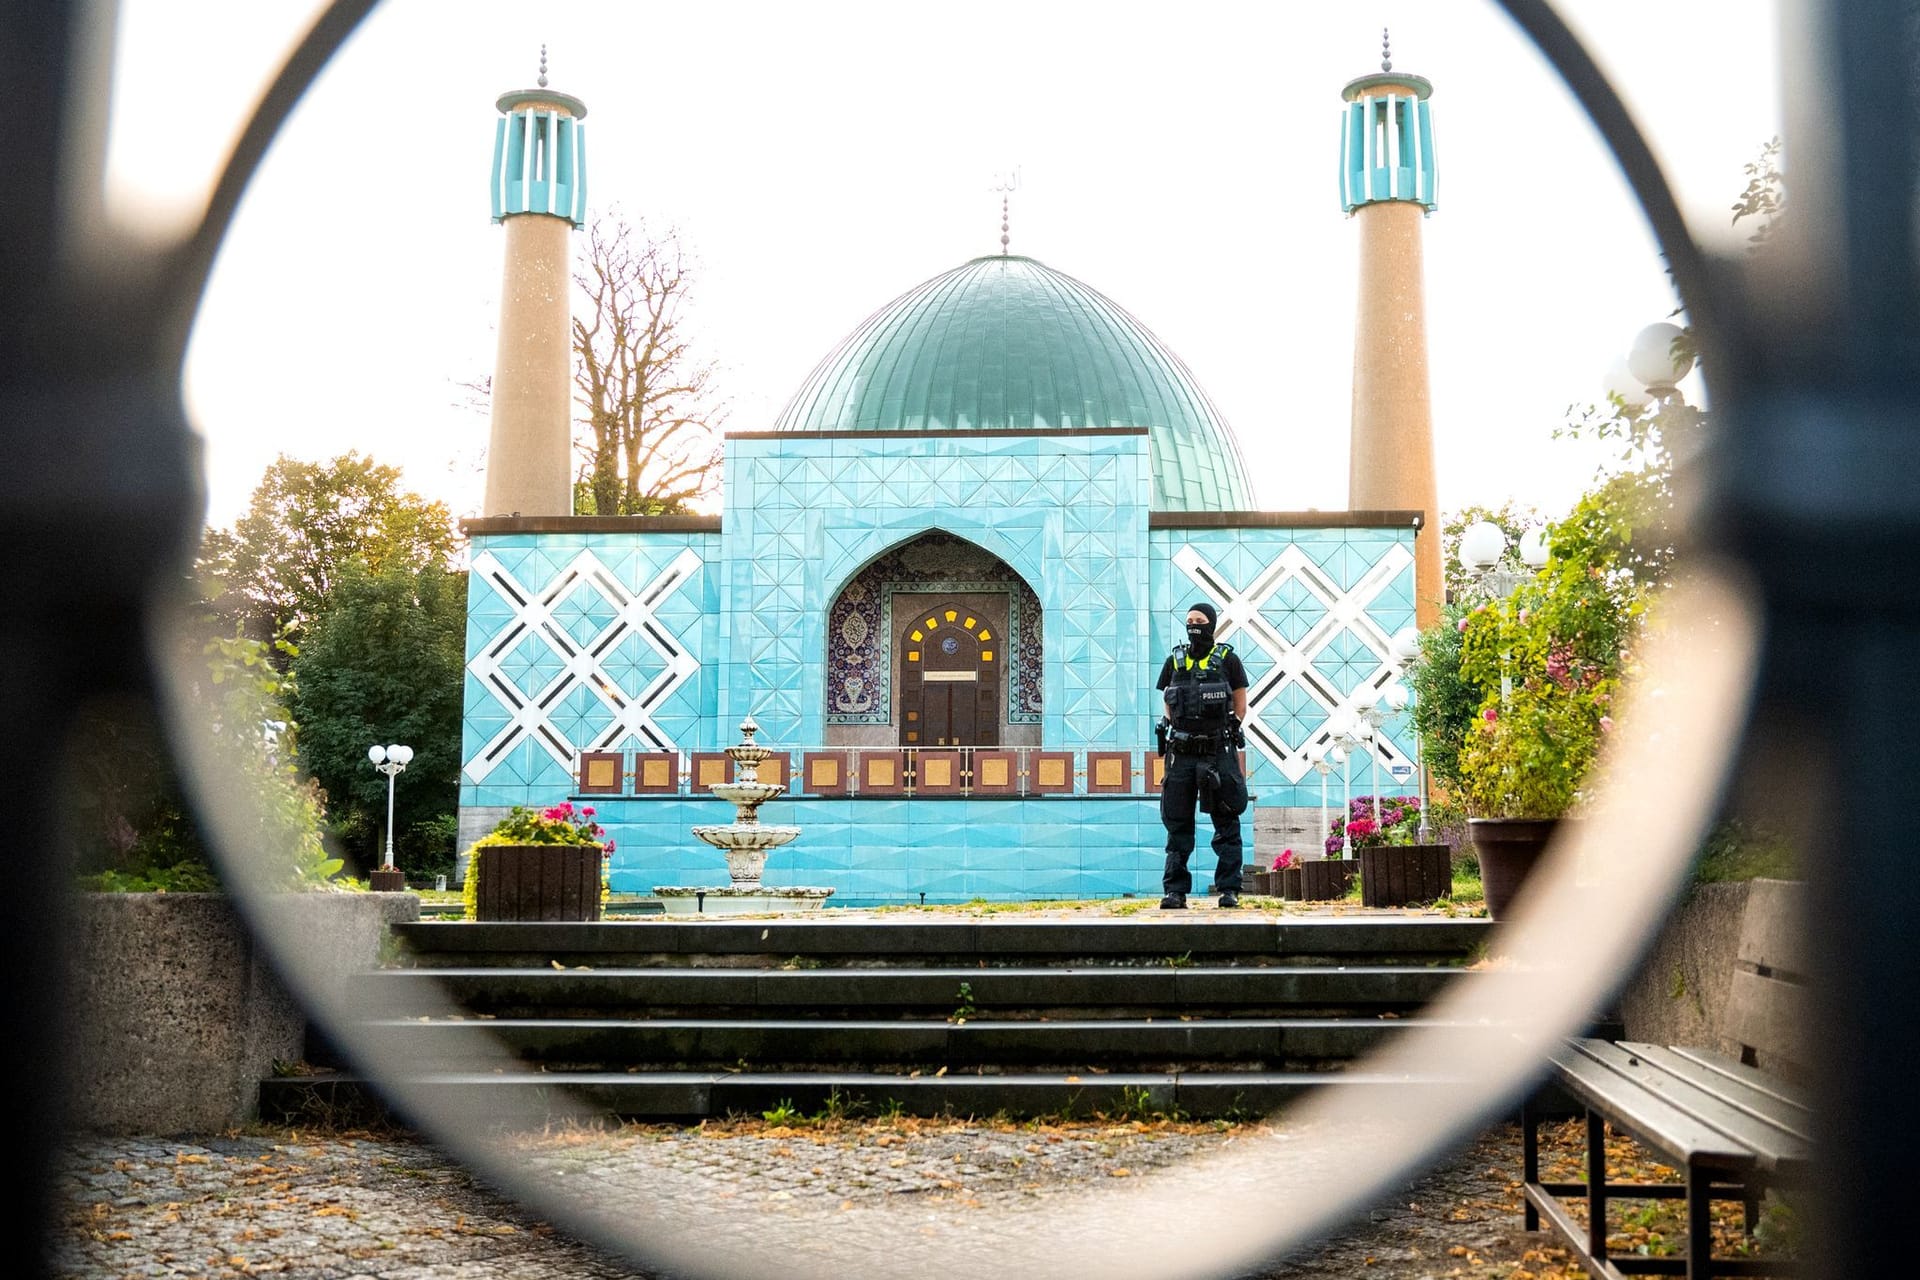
1181, 743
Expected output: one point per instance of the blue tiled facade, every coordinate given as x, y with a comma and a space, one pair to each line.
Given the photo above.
640, 636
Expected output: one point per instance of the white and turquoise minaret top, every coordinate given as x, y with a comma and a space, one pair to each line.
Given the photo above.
540, 153
1386, 138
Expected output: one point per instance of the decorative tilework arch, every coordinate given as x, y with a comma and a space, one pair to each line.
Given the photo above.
861, 625
1288, 707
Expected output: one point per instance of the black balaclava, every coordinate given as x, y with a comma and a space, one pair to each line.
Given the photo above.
1200, 639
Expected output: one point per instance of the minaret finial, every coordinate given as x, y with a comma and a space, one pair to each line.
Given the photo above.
1386, 51
1007, 184
543, 66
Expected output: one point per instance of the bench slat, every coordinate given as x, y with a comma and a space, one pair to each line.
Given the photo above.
1767, 1145
1596, 1072
1768, 1013
1738, 1085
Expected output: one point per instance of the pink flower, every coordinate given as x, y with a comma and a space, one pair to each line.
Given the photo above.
1606, 724
609, 848
587, 811
1284, 861
1523, 615
1463, 626
1490, 715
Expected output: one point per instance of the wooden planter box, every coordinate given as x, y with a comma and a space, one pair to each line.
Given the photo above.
1285, 884
1260, 882
538, 882
1397, 875
1325, 880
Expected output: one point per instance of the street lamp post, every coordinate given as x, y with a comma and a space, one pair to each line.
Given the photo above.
391, 761
1323, 756
1482, 547
1366, 704
1348, 734
1405, 649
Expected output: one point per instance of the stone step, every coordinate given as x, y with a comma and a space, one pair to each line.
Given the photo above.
557, 992
771, 942
608, 1043
695, 1095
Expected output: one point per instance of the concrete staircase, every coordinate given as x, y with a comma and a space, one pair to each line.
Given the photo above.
678, 1019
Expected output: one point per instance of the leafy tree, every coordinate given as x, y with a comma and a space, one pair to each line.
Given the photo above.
384, 664
136, 828
276, 570
652, 421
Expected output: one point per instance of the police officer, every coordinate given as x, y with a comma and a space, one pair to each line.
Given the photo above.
1204, 687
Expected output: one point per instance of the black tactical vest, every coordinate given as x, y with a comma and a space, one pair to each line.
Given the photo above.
1199, 699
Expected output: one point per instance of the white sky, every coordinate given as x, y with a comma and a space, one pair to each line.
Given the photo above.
821, 159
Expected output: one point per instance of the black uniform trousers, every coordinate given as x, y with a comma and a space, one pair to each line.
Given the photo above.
1179, 797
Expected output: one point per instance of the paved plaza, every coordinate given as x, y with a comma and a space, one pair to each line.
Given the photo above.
385, 1205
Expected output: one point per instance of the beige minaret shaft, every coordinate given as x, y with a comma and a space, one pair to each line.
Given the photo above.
1387, 183
1391, 455
529, 445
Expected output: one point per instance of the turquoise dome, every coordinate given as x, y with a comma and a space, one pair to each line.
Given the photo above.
1006, 344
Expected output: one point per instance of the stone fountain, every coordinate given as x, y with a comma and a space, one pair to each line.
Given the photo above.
746, 841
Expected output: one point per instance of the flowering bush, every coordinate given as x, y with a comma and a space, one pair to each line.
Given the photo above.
561, 824
1399, 823
1547, 662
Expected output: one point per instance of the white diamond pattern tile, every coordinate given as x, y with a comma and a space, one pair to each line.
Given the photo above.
552, 713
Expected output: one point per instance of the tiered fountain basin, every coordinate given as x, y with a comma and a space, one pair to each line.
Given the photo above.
745, 841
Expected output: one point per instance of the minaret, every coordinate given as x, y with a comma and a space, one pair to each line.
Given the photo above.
1387, 184
540, 194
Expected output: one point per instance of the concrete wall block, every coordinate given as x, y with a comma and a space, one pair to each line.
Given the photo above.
1679, 994
179, 1012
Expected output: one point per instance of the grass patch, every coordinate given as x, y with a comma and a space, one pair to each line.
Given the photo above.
1740, 851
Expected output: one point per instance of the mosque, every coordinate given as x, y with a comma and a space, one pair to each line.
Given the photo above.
942, 582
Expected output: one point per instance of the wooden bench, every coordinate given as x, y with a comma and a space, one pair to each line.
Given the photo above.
1731, 1128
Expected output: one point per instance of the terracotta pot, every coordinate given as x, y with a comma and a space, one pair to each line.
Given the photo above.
1396, 875
1325, 880
1507, 849
538, 882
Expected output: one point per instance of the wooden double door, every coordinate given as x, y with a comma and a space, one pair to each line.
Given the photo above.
953, 656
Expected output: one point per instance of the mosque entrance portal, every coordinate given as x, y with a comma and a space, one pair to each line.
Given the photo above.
951, 659
935, 643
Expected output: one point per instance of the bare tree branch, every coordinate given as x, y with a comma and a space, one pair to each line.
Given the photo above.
649, 418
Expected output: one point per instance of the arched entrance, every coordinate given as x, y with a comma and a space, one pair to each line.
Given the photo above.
950, 678
978, 692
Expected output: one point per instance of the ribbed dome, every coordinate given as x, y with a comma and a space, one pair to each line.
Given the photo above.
1005, 343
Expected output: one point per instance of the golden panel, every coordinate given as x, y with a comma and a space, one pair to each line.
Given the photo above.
913, 655
937, 773
931, 624
951, 615
1109, 773
1053, 773
912, 735
653, 773
1159, 770
603, 773
917, 636
985, 634
993, 773
880, 772
968, 624
711, 771
913, 715
825, 773
986, 655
